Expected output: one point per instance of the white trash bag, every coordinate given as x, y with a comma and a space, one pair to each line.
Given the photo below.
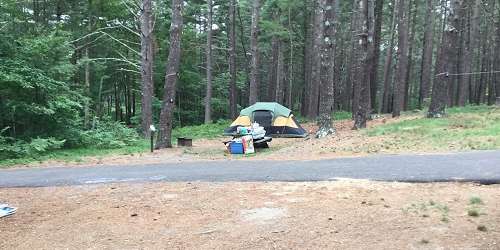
6, 210
258, 132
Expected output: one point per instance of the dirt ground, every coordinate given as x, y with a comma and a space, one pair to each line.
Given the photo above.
346, 143
325, 215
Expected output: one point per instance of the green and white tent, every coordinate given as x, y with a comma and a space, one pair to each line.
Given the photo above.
277, 120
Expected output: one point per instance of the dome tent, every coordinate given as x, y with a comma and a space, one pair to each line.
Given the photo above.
277, 120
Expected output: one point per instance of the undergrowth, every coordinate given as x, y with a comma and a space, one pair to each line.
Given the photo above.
468, 128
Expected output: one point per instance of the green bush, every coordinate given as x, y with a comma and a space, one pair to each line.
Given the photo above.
11, 148
108, 134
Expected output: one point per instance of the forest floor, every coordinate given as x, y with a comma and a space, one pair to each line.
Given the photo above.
344, 214
465, 129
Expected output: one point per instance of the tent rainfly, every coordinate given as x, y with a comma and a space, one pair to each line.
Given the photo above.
277, 120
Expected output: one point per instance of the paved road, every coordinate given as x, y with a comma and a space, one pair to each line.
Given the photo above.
482, 167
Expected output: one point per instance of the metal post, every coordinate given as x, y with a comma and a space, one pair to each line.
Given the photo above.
152, 141
152, 129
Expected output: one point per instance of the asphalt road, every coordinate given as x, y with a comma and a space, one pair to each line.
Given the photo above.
482, 167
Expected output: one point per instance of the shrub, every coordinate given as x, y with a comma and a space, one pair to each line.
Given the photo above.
109, 134
11, 148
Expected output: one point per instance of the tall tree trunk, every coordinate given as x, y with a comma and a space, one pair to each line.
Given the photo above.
280, 75
413, 7
402, 66
483, 78
366, 7
379, 14
465, 56
307, 66
174, 56
208, 96
475, 42
289, 101
232, 59
325, 120
273, 69
86, 108
444, 68
496, 55
385, 104
117, 103
313, 105
455, 19
356, 62
254, 48
428, 47
147, 87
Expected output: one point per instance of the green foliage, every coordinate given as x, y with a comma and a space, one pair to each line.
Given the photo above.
474, 127
425, 208
77, 154
475, 200
207, 131
109, 134
342, 115
473, 212
35, 99
11, 148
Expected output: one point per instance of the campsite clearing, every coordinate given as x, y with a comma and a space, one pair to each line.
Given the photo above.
465, 129
324, 215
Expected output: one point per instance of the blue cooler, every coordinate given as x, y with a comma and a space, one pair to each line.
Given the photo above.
236, 148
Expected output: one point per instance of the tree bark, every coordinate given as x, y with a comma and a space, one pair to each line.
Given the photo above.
465, 56
254, 48
356, 63
379, 13
208, 96
428, 47
273, 69
172, 71
444, 67
289, 101
232, 59
307, 66
485, 67
280, 75
325, 120
366, 8
408, 90
147, 87
402, 53
86, 108
496, 55
313, 105
385, 104
475, 44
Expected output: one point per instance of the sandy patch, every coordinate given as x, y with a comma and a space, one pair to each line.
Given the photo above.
324, 215
263, 215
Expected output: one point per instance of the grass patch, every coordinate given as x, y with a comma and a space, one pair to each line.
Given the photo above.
467, 128
205, 131
475, 200
425, 208
342, 115
77, 154
337, 116
473, 212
